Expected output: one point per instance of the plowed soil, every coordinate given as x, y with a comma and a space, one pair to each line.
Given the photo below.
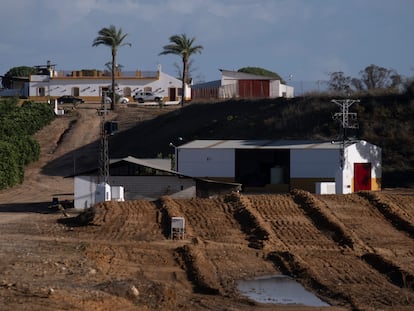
354, 252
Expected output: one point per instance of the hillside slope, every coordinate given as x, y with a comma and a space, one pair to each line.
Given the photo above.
148, 131
384, 121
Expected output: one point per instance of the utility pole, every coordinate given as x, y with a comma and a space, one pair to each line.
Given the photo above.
348, 120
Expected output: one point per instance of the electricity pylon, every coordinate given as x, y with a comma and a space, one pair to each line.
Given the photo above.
103, 151
348, 120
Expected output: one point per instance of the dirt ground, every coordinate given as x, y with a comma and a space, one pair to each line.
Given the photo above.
354, 252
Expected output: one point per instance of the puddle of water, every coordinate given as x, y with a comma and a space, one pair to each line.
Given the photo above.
278, 289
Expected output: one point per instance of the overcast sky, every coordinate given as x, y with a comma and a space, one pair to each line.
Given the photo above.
307, 39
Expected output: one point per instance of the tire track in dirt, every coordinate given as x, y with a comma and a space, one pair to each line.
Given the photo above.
128, 221
401, 200
333, 268
131, 251
401, 216
219, 254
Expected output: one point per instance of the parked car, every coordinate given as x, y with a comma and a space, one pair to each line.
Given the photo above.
147, 97
124, 100
68, 99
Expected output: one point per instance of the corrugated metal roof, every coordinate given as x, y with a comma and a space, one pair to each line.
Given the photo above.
157, 164
211, 84
245, 76
260, 144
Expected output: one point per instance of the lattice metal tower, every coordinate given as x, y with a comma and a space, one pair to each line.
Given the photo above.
348, 120
104, 150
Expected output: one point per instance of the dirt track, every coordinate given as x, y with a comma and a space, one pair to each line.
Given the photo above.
353, 251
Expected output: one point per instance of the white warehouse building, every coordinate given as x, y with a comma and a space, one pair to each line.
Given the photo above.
279, 165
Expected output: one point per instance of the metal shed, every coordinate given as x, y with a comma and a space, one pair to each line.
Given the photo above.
144, 179
281, 165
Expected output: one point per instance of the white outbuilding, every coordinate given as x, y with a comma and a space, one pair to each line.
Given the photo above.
282, 165
142, 179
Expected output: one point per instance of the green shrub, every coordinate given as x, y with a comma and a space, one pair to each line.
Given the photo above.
17, 147
11, 173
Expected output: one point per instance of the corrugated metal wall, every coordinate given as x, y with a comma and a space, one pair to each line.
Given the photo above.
254, 88
152, 187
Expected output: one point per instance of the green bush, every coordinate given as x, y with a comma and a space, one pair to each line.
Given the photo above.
11, 173
17, 147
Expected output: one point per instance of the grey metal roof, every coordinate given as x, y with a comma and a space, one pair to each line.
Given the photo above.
247, 76
210, 84
157, 164
260, 144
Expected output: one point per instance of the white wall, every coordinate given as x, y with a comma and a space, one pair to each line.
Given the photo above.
153, 187
274, 88
91, 87
325, 188
84, 188
314, 163
135, 188
277, 89
206, 162
286, 91
364, 152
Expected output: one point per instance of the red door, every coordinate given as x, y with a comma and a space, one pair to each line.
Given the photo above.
362, 176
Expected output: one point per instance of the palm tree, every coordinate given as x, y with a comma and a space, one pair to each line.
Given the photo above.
118, 67
114, 39
183, 46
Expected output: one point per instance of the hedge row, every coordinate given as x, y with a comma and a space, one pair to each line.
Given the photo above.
17, 147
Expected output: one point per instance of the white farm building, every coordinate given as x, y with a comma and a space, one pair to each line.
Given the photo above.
91, 84
234, 84
279, 166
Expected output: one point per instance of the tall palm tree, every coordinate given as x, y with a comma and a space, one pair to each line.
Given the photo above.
114, 39
183, 46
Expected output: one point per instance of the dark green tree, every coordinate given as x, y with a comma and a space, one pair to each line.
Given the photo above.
261, 72
339, 83
184, 47
114, 38
17, 72
378, 78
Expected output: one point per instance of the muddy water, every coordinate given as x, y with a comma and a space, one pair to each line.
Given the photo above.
278, 289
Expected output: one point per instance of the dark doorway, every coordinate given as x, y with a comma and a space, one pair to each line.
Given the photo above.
254, 167
172, 93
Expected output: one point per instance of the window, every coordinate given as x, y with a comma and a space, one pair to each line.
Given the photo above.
75, 91
103, 90
147, 89
41, 91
